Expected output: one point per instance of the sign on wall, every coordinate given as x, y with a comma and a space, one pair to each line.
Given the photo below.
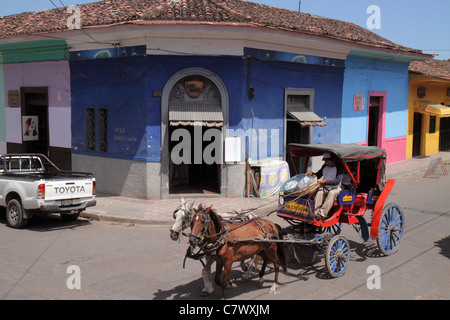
13, 98
194, 88
30, 128
358, 102
421, 92
233, 149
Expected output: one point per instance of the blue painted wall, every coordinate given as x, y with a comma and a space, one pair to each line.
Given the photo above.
119, 85
271, 78
125, 86
366, 74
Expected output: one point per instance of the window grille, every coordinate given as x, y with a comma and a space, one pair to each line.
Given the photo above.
90, 129
102, 130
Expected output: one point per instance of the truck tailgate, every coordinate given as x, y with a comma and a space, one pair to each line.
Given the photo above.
68, 189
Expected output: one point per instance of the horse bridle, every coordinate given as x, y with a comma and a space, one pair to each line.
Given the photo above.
207, 246
205, 226
185, 220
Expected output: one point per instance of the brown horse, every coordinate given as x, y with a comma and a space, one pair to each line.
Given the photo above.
237, 242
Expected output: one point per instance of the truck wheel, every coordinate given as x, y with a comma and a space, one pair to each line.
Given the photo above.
15, 216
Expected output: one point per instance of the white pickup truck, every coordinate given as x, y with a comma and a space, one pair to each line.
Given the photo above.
31, 183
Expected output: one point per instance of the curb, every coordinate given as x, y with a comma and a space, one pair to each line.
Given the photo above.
121, 219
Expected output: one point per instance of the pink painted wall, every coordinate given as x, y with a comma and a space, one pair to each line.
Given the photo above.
395, 149
56, 76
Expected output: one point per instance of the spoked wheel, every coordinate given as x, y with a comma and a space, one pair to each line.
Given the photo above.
390, 230
334, 229
338, 256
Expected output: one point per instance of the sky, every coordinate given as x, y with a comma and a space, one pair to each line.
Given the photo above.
416, 24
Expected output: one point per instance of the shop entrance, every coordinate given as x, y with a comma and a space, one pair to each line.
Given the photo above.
295, 131
417, 134
444, 134
193, 175
300, 120
35, 120
195, 137
374, 117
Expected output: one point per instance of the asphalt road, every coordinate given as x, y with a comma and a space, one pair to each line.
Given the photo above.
87, 259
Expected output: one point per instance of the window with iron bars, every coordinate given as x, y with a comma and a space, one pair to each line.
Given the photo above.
90, 129
101, 130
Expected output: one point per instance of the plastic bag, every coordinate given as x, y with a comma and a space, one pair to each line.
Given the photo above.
298, 183
306, 181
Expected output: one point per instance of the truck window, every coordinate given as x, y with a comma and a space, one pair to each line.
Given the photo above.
25, 164
35, 163
14, 164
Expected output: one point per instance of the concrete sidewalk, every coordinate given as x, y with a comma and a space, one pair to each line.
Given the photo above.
159, 212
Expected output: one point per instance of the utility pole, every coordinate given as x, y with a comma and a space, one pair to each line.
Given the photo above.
299, 5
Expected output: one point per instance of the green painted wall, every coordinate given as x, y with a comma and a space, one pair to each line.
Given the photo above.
23, 52
34, 51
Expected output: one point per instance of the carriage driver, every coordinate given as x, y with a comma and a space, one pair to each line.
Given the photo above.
330, 179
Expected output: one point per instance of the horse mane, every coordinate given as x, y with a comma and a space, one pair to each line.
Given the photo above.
216, 219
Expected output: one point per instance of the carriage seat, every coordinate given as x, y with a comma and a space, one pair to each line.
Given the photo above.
355, 203
346, 197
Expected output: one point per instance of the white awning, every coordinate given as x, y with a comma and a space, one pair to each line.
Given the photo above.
195, 114
305, 116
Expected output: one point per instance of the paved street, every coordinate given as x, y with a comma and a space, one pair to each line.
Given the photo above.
131, 261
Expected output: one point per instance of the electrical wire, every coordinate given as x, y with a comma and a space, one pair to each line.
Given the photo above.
114, 44
54, 4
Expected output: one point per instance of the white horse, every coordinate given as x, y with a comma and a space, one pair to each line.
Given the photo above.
183, 215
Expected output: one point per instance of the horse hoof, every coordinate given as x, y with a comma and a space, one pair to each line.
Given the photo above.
205, 293
261, 282
243, 280
273, 289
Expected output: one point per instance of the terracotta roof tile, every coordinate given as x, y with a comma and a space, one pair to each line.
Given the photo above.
433, 68
109, 12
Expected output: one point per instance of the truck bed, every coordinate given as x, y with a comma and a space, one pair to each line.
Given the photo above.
33, 176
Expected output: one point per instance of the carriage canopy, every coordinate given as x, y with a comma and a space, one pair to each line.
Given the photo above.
346, 152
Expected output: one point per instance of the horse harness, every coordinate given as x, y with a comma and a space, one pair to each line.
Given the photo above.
206, 248
185, 220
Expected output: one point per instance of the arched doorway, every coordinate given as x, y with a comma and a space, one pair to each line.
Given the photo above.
194, 117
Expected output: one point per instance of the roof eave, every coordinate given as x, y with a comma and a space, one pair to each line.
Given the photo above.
355, 48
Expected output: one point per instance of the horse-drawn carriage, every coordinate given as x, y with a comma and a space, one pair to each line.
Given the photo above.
367, 189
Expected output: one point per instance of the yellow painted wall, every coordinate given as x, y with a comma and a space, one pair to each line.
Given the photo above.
436, 91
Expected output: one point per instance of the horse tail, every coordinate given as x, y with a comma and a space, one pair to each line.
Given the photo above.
281, 249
